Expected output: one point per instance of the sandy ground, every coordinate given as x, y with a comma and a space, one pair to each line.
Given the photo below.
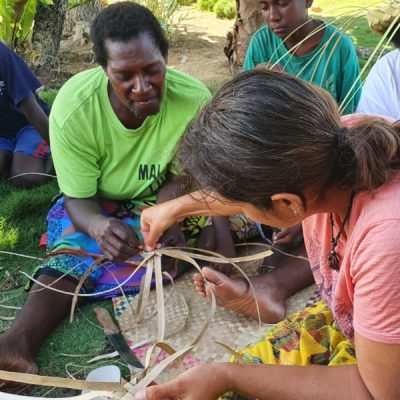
197, 50
199, 47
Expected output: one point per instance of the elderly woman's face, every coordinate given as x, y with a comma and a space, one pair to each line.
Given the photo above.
136, 69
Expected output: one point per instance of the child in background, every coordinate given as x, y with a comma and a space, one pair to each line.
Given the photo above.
308, 48
24, 128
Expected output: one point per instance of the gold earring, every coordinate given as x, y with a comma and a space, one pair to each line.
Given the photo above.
296, 212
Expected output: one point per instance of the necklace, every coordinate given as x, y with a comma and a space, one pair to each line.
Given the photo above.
333, 258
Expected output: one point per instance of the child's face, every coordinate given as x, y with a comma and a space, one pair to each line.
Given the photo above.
284, 16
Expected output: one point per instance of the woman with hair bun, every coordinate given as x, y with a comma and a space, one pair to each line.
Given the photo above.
299, 162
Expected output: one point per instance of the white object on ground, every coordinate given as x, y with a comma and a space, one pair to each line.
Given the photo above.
108, 373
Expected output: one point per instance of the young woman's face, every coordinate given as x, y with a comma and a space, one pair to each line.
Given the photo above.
284, 16
136, 70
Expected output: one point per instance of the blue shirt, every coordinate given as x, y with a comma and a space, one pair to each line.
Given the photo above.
17, 82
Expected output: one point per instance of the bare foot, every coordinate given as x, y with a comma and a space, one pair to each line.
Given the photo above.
19, 346
236, 295
13, 357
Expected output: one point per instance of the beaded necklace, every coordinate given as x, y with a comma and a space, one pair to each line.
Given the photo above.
333, 258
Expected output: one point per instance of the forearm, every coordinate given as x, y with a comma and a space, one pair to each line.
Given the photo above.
198, 203
282, 382
36, 116
84, 214
156, 220
222, 229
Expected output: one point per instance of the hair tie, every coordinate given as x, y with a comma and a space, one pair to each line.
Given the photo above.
342, 135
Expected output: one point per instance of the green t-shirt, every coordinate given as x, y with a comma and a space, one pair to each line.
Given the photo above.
95, 154
332, 65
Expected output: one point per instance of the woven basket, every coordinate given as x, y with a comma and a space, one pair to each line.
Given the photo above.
185, 319
380, 19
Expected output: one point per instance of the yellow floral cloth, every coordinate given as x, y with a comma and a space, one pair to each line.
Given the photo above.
308, 337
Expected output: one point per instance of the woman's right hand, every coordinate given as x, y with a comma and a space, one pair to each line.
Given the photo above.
117, 240
287, 235
155, 220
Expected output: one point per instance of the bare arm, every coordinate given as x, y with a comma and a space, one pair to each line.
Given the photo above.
36, 116
375, 377
172, 188
155, 220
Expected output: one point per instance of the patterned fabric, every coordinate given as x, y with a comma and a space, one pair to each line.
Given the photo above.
308, 337
71, 252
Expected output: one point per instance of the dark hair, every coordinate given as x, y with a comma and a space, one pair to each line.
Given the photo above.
396, 35
267, 132
124, 21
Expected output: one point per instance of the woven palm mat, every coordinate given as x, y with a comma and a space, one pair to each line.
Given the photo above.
185, 318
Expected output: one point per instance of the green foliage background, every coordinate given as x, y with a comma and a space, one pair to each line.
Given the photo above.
221, 8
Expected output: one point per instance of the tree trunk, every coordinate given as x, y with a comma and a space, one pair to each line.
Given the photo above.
247, 22
79, 19
18, 8
47, 31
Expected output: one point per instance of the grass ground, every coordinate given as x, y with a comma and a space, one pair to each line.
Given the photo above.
22, 221
350, 15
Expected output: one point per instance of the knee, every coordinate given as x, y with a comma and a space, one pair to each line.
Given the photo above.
5, 164
28, 181
207, 238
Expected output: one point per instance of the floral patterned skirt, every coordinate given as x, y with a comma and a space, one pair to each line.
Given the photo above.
308, 337
71, 252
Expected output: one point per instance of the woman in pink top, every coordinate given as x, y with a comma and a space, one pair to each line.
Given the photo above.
274, 148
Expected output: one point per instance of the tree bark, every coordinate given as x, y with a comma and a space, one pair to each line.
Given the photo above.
79, 19
47, 31
247, 22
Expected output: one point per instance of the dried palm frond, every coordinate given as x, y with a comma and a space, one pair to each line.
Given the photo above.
383, 20
380, 19
153, 264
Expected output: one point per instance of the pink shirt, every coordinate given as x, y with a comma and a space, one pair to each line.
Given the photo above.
365, 294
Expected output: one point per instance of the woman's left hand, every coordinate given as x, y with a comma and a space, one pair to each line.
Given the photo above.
203, 382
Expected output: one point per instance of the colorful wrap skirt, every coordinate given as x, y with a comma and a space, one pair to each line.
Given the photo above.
70, 252
305, 338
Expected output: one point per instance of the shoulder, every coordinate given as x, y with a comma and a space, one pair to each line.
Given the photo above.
384, 203
340, 38
262, 33
5, 51
7, 54
388, 63
378, 219
352, 120
76, 94
182, 86
262, 37
11, 62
